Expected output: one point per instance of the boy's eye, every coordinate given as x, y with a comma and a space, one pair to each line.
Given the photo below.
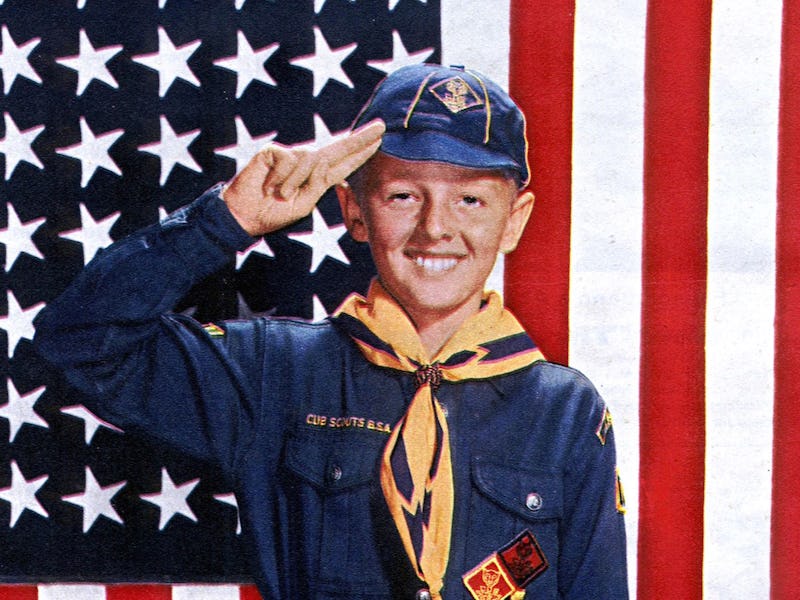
470, 200
401, 197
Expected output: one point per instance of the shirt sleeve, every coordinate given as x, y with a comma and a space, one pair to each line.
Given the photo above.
593, 560
141, 367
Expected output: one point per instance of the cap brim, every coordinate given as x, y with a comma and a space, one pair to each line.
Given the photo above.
439, 147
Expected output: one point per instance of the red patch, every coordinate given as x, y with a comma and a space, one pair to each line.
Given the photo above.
508, 570
489, 581
524, 559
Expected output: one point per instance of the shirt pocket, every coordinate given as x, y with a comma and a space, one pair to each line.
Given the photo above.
508, 499
331, 494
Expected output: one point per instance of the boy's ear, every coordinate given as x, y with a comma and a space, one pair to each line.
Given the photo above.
351, 212
520, 213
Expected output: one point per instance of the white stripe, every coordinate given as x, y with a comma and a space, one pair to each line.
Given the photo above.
205, 592
475, 33
605, 274
71, 592
745, 64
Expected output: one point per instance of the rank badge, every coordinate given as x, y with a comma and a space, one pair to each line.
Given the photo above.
456, 94
506, 572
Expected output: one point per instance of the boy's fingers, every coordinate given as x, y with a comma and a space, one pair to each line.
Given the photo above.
281, 162
316, 171
354, 144
339, 170
306, 162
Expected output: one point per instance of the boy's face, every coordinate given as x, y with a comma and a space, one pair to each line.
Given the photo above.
434, 230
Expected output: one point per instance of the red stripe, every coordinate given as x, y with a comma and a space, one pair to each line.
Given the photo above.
19, 592
249, 592
537, 275
785, 557
139, 592
672, 384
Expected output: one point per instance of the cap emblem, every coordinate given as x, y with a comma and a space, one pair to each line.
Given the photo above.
456, 94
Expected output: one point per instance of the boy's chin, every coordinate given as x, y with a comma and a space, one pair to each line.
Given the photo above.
438, 303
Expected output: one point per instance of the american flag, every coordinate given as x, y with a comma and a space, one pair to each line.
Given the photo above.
661, 259
114, 114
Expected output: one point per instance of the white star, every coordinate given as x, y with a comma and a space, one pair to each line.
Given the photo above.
18, 237
14, 60
19, 410
18, 323
170, 62
323, 240
96, 500
16, 145
400, 56
90, 63
94, 235
92, 151
171, 500
393, 3
260, 247
173, 149
91, 422
246, 146
325, 64
231, 499
22, 494
320, 312
248, 64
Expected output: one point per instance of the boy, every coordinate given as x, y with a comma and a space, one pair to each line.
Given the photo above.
416, 445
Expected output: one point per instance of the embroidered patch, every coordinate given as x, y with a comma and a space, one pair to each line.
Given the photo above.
619, 493
604, 426
505, 573
214, 330
456, 94
524, 559
489, 581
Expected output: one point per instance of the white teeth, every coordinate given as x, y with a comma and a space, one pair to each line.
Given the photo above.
435, 265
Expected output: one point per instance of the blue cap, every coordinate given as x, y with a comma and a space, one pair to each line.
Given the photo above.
451, 115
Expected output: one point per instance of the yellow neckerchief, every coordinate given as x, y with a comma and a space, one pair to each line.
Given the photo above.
416, 470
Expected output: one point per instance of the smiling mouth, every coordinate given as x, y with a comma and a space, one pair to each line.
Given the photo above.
435, 264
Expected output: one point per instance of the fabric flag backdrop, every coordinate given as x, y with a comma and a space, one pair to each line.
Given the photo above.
661, 260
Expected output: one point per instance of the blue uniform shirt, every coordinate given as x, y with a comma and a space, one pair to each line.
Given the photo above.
298, 419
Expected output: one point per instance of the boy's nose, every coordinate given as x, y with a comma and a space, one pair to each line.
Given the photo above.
434, 221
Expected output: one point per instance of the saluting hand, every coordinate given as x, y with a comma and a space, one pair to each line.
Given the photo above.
282, 184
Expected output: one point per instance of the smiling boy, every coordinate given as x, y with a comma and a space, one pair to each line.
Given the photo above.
415, 445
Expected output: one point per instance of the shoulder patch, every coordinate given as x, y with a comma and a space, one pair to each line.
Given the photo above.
604, 426
619, 493
214, 330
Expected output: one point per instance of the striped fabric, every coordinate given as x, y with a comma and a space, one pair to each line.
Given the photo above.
662, 260
658, 212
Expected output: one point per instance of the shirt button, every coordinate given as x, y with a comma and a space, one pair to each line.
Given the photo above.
423, 594
533, 501
335, 473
